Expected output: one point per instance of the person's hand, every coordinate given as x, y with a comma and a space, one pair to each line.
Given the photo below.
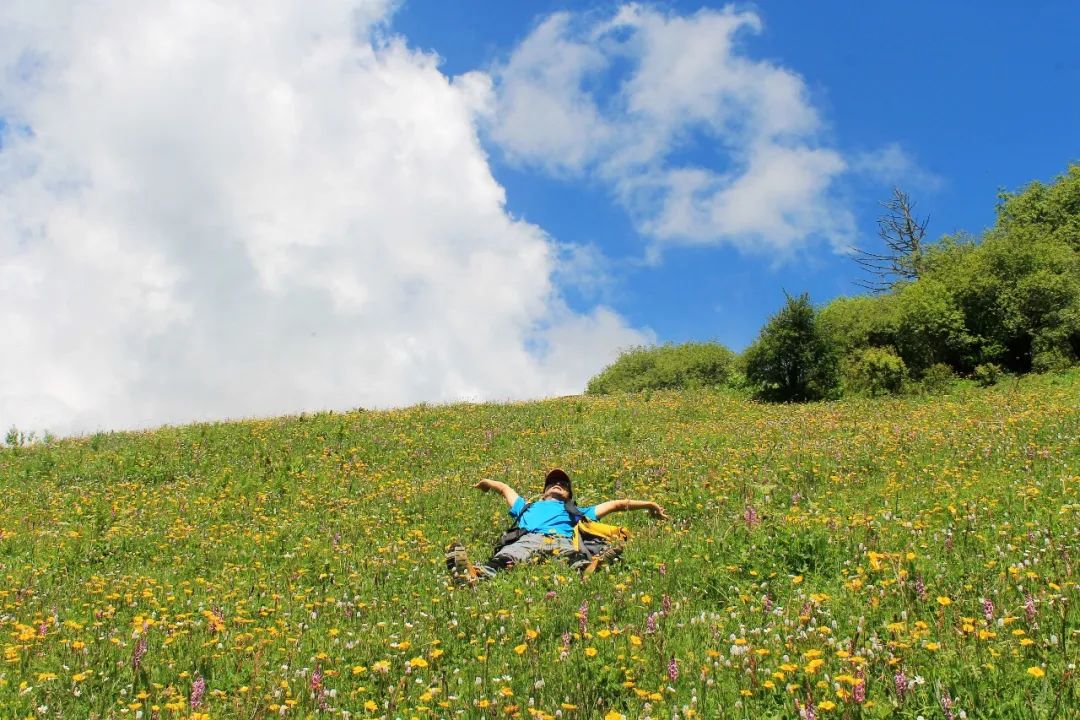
484, 485
658, 512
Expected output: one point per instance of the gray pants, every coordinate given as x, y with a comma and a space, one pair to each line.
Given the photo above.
527, 547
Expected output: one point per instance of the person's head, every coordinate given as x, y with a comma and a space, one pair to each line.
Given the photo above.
557, 486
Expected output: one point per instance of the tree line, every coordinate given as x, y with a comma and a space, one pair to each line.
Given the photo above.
1007, 301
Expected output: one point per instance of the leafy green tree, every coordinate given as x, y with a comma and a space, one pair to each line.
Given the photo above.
791, 359
666, 367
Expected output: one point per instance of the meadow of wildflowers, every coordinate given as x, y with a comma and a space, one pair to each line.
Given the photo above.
859, 559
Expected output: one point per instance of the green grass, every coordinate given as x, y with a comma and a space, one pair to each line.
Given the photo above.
814, 550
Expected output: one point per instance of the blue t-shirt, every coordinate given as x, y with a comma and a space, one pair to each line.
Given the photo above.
547, 516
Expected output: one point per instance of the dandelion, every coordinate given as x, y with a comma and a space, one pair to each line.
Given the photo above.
1036, 672
673, 669
198, 688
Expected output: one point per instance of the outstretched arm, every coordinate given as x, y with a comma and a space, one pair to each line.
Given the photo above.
606, 508
502, 488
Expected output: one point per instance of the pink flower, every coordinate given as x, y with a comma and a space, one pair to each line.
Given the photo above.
946, 705
583, 616
140, 651
198, 689
901, 683
988, 609
673, 669
1029, 607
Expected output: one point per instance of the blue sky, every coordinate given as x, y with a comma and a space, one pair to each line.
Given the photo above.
981, 96
216, 209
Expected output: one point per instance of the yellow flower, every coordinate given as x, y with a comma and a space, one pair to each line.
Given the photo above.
418, 662
614, 715
1036, 671
932, 646
646, 599
506, 691
532, 634
826, 705
635, 640
520, 649
567, 706
371, 706
813, 665
943, 600
590, 651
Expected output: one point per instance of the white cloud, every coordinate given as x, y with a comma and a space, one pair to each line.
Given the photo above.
214, 210
631, 93
892, 165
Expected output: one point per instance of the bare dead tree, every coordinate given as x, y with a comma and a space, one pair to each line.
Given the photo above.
903, 234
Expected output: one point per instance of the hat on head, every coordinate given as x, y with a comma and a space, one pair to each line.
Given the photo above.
559, 477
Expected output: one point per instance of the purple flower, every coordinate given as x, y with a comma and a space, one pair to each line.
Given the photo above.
901, 682
988, 609
198, 688
316, 678
650, 623
549, 595
946, 705
665, 604
751, 517
920, 588
1029, 607
139, 652
766, 603
858, 693
673, 669
663, 569
583, 615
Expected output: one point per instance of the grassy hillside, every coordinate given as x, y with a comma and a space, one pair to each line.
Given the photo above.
919, 552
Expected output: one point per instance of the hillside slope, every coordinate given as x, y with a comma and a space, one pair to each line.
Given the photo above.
864, 558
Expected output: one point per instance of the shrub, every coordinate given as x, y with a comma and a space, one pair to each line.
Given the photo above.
986, 374
876, 371
937, 379
688, 365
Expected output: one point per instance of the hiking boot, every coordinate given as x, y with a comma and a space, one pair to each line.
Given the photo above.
458, 565
609, 553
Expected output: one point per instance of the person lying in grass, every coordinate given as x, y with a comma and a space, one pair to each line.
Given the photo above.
542, 528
